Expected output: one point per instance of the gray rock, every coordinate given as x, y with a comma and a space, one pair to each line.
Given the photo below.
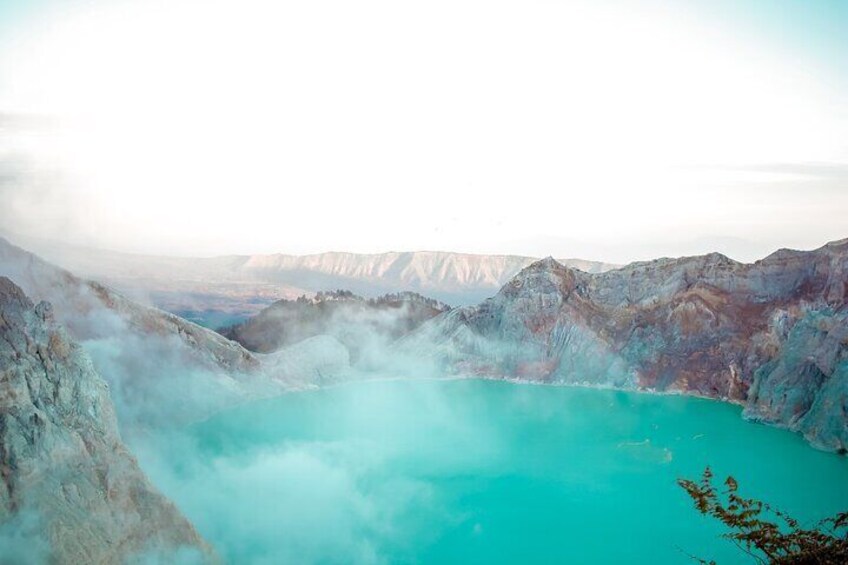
61, 457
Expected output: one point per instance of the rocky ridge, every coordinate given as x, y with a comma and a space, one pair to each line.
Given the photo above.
772, 335
182, 371
355, 321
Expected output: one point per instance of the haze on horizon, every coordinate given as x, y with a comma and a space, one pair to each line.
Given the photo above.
611, 131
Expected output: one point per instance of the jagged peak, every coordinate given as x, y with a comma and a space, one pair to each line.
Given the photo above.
718, 258
539, 274
782, 253
837, 245
714, 259
708, 260
546, 264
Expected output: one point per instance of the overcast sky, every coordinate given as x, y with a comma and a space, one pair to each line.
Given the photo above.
604, 130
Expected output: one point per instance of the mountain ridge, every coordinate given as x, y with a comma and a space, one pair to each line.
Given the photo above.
704, 325
140, 349
233, 287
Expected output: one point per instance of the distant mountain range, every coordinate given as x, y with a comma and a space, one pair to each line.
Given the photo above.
220, 291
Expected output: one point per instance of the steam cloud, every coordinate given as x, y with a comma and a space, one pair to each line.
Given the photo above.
263, 496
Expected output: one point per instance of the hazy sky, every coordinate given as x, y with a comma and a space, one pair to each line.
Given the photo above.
608, 130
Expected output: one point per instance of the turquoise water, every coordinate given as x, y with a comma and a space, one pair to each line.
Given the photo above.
480, 472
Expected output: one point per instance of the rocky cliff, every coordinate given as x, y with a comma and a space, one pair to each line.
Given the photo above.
62, 461
772, 335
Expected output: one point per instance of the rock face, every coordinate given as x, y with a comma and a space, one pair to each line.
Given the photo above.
161, 368
353, 320
61, 457
772, 335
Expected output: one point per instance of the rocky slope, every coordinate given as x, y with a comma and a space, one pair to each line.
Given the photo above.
79, 302
62, 461
772, 335
355, 321
161, 368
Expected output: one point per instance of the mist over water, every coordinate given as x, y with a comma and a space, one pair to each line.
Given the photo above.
476, 471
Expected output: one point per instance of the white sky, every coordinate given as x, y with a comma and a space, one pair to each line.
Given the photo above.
534, 127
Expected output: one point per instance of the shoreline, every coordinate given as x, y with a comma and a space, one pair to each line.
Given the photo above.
312, 387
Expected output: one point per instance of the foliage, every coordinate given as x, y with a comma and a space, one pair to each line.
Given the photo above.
765, 533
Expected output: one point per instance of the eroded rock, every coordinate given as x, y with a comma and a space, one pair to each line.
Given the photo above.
61, 457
